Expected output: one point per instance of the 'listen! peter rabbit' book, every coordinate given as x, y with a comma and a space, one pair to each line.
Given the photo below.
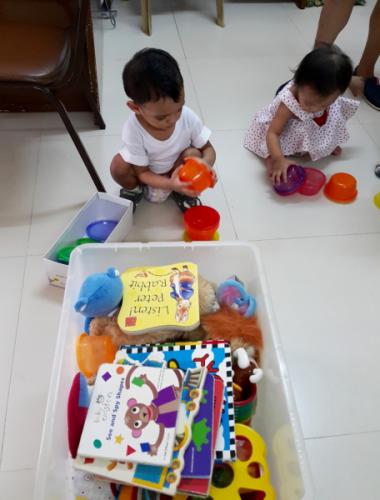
132, 415
160, 297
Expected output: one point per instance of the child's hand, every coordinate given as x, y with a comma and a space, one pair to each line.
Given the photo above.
279, 170
180, 186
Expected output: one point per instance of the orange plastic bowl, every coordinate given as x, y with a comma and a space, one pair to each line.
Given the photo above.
201, 223
197, 173
92, 351
341, 188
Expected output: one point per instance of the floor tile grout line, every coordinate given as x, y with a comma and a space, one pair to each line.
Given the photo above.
188, 66
21, 469
343, 434
13, 357
34, 191
311, 237
177, 30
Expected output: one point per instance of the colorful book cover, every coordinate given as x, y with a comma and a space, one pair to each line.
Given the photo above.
132, 414
215, 356
155, 477
199, 486
160, 297
199, 459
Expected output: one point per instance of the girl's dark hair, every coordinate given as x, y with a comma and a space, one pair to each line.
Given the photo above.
326, 69
152, 74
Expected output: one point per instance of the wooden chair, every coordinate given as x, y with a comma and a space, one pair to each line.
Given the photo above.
42, 48
146, 15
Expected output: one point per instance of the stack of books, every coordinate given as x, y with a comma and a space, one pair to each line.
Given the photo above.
160, 416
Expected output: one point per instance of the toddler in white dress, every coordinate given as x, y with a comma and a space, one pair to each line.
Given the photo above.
309, 114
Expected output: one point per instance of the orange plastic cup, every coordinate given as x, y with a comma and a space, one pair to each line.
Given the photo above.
201, 223
341, 188
197, 173
92, 351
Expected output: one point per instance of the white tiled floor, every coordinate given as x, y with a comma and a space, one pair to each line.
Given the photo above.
322, 260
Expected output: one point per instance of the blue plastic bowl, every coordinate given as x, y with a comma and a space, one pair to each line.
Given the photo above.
101, 229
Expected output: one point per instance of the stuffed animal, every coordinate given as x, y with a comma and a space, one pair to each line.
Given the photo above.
107, 325
246, 369
100, 294
228, 324
233, 294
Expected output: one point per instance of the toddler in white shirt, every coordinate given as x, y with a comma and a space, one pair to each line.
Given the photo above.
160, 133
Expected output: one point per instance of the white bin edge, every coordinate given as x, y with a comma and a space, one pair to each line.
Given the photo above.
42, 465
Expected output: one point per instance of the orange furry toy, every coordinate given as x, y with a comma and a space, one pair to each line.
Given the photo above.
228, 324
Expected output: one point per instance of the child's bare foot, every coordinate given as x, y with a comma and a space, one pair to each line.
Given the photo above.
337, 151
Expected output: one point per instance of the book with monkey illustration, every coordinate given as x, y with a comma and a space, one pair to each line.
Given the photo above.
160, 297
132, 415
164, 479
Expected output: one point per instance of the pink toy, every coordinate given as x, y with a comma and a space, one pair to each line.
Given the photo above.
304, 180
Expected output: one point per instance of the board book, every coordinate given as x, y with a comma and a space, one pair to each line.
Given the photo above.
201, 486
159, 298
199, 459
215, 356
154, 477
132, 414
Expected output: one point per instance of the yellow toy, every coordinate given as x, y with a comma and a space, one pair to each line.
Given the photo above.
249, 474
251, 459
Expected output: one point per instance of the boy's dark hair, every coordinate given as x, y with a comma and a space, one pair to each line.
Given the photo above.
326, 69
152, 74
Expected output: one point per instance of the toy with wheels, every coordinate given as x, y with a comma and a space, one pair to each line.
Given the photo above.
248, 474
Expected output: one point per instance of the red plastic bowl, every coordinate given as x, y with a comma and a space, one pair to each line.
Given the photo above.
201, 223
314, 182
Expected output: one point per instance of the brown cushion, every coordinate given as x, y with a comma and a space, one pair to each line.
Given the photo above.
33, 53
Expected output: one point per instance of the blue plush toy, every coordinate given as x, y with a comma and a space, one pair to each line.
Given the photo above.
233, 294
100, 294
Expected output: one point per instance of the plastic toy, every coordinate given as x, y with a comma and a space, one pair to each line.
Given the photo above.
92, 352
341, 188
77, 407
233, 294
101, 229
196, 172
100, 294
314, 182
245, 408
303, 180
201, 223
376, 200
295, 178
249, 474
63, 254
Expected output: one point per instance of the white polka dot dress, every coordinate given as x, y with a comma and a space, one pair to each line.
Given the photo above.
302, 134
